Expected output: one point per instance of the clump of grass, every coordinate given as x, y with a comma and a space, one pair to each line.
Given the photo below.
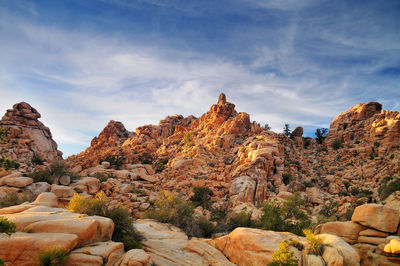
337, 144
314, 244
54, 256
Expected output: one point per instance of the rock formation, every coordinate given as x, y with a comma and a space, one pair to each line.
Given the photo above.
27, 136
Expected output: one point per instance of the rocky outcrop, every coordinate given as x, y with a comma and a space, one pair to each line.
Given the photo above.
168, 245
366, 122
27, 136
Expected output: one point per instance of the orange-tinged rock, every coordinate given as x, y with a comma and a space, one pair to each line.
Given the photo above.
23, 248
247, 246
348, 231
377, 216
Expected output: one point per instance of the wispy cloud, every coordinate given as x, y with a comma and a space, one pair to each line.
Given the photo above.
79, 78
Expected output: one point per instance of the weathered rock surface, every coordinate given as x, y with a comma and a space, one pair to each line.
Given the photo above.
168, 245
348, 231
246, 246
377, 216
350, 256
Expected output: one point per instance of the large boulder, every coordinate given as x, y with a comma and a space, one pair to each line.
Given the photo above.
247, 246
377, 216
135, 257
23, 248
348, 231
350, 256
168, 245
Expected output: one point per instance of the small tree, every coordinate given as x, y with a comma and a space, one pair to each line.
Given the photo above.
267, 127
283, 256
320, 133
201, 196
286, 130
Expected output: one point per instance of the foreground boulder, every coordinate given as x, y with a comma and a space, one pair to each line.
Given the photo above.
23, 248
168, 245
247, 246
348, 231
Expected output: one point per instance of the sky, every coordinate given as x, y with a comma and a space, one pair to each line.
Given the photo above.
82, 63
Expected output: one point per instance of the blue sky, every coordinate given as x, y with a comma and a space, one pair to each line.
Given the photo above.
83, 63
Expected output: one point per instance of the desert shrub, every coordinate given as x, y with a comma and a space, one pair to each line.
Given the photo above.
8, 164
54, 171
124, 230
349, 213
4, 132
169, 208
160, 166
53, 257
145, 158
296, 244
286, 130
240, 219
329, 209
11, 199
283, 256
314, 244
206, 227
337, 144
287, 178
267, 127
7, 226
187, 139
376, 144
388, 186
286, 216
115, 161
343, 193
320, 133
201, 196
102, 177
36, 160
346, 184
308, 184
2, 263
219, 214
41, 176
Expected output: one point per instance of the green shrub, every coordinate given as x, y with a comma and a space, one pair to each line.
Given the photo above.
388, 186
240, 219
8, 164
283, 256
2, 263
11, 199
36, 160
115, 161
337, 144
172, 209
376, 144
7, 226
287, 178
187, 139
4, 134
329, 209
124, 230
320, 133
314, 244
206, 227
160, 166
286, 216
202, 196
41, 176
349, 213
102, 177
145, 158
53, 257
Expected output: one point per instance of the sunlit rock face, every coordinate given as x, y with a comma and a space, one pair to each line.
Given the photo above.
27, 136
